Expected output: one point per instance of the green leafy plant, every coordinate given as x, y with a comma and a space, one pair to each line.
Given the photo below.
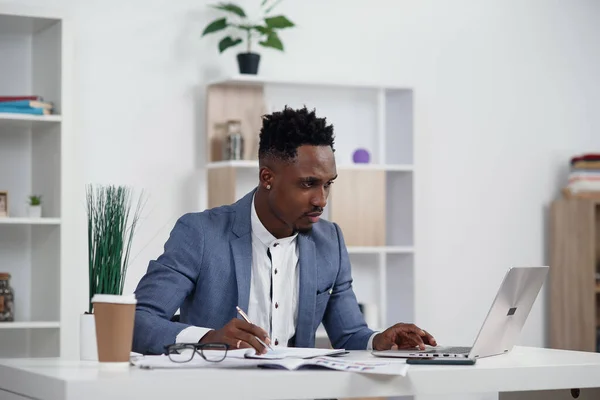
265, 31
35, 200
111, 228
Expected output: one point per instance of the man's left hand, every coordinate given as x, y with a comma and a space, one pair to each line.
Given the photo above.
403, 336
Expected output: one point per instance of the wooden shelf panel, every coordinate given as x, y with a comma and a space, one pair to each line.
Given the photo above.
360, 215
573, 258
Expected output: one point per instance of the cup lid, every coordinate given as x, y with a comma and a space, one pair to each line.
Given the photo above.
114, 298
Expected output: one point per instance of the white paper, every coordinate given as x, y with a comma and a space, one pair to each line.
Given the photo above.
283, 353
395, 367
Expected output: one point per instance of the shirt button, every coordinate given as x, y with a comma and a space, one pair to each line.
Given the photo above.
276, 342
276, 305
275, 271
275, 244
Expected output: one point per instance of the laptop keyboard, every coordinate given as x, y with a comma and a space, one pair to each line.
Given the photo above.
450, 350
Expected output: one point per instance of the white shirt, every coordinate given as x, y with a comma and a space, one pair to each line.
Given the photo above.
279, 316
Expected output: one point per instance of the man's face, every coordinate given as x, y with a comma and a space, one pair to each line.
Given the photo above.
300, 189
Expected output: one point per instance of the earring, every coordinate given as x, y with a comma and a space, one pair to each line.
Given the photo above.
268, 187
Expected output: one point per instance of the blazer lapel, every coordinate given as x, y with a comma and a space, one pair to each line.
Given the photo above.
241, 248
307, 292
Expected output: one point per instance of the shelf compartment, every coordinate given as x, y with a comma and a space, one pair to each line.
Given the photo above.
400, 288
399, 205
243, 103
398, 126
360, 213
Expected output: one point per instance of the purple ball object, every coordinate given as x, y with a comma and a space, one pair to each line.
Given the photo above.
361, 156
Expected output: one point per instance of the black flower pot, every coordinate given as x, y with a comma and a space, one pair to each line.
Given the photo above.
248, 63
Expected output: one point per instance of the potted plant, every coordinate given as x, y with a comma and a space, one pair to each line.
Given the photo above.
240, 27
111, 224
34, 209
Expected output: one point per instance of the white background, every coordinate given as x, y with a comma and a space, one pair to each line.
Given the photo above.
505, 93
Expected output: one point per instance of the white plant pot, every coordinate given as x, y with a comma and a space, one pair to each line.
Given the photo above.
88, 348
34, 211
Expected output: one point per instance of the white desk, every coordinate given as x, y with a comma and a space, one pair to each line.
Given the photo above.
522, 370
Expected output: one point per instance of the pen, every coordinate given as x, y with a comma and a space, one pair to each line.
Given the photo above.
243, 314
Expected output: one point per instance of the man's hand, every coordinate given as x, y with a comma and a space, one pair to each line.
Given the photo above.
239, 334
403, 336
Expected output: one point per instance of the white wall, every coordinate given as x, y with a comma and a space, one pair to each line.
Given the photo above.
505, 92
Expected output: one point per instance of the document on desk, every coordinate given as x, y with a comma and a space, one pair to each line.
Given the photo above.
234, 358
393, 367
284, 353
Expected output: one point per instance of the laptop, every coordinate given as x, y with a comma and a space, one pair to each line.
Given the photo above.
502, 325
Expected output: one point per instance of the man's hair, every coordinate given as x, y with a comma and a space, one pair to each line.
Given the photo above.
284, 131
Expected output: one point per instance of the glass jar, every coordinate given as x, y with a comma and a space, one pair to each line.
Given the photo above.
7, 299
234, 143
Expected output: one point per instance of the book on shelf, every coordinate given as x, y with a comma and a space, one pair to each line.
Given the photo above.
25, 110
25, 104
14, 98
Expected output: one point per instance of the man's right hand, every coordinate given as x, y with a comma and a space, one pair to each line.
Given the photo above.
238, 334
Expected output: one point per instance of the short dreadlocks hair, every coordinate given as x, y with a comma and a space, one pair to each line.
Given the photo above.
284, 131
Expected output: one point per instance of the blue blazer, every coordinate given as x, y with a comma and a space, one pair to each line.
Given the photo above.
205, 272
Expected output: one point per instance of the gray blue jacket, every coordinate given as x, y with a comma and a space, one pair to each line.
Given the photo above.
205, 272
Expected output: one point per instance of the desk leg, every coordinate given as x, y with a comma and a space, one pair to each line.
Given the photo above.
583, 394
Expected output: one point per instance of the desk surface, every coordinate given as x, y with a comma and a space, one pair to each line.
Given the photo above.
522, 369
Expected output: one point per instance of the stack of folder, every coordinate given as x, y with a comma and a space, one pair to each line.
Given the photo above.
34, 105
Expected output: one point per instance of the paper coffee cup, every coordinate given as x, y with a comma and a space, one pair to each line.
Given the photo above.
115, 316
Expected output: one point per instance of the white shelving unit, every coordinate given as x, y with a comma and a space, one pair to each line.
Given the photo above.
31, 325
36, 158
372, 116
29, 221
9, 119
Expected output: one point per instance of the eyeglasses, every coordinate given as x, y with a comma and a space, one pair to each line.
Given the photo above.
184, 352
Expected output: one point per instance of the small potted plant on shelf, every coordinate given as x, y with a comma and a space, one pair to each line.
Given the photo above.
34, 209
264, 31
111, 224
